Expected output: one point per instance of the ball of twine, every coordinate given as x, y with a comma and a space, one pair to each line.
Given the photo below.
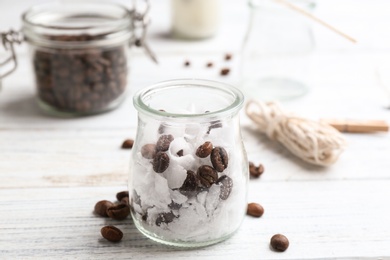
314, 142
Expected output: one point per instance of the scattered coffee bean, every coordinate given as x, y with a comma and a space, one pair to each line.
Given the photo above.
228, 56
166, 217
187, 63
209, 64
190, 185
111, 233
121, 195
219, 158
207, 175
148, 151
163, 142
180, 153
125, 200
279, 242
226, 186
160, 162
128, 144
225, 71
255, 210
118, 212
254, 171
102, 206
204, 150
81, 81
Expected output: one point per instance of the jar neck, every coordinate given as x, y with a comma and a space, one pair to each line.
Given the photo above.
77, 24
189, 101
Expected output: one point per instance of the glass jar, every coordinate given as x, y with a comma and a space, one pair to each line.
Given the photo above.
79, 53
195, 19
276, 50
189, 171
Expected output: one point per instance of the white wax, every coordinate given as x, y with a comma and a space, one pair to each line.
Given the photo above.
195, 18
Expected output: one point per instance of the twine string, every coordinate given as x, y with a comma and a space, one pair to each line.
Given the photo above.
314, 142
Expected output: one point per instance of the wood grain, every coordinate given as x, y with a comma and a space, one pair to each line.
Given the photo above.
53, 170
318, 217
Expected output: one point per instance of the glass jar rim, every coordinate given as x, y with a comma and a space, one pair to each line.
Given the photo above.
232, 108
40, 20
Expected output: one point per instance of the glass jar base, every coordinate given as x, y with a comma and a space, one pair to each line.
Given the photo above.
274, 88
55, 111
179, 243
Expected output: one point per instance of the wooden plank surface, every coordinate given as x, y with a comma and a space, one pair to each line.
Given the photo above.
53, 170
320, 218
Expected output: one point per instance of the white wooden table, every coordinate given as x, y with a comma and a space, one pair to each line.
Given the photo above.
53, 170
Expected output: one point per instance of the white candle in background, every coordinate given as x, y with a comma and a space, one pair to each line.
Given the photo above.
195, 19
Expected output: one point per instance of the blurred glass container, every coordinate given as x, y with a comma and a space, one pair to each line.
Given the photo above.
79, 55
195, 19
78, 51
276, 51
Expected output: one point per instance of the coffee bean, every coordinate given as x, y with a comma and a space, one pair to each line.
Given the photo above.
175, 206
166, 217
207, 175
190, 185
219, 158
121, 195
255, 210
148, 151
111, 233
254, 171
225, 71
125, 200
260, 169
228, 56
204, 150
102, 206
160, 162
226, 186
118, 212
180, 153
161, 129
128, 144
163, 142
187, 63
279, 242
209, 64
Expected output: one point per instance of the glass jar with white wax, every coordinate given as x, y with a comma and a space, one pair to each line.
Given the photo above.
189, 169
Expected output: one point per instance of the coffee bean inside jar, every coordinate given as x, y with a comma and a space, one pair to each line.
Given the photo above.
79, 55
84, 81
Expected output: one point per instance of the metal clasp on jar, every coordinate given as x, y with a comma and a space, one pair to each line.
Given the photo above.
141, 22
8, 39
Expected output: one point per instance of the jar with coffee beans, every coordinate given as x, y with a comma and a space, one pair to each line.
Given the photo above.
189, 170
79, 53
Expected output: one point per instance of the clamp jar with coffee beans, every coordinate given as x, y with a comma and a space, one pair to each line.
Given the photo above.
189, 170
79, 53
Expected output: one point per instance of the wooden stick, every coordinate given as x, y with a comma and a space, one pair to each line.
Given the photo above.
316, 19
358, 126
